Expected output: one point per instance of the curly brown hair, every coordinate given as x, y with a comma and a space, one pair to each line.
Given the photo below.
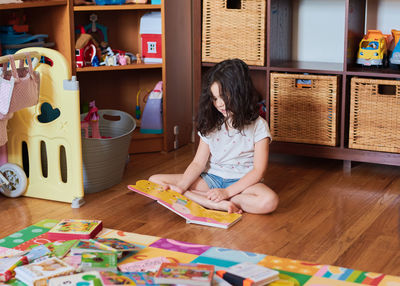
237, 91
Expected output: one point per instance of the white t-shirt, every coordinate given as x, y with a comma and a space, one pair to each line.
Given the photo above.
232, 152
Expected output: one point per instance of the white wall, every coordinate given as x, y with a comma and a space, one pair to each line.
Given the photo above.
318, 30
318, 27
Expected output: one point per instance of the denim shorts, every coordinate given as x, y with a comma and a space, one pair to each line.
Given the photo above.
214, 181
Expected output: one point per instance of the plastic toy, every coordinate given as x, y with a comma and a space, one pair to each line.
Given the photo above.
395, 57
85, 49
373, 49
53, 150
92, 120
138, 112
152, 114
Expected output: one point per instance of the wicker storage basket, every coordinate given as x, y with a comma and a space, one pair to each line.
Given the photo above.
234, 33
304, 108
375, 115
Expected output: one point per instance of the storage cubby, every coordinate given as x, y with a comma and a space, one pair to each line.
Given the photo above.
319, 37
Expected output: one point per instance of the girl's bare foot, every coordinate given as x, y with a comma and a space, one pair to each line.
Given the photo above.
229, 207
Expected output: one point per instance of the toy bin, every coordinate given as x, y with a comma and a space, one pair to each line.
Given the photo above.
375, 115
234, 32
104, 159
304, 108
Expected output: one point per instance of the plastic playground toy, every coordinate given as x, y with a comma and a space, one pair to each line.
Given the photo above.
373, 49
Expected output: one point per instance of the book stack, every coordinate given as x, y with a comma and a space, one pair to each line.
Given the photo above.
68, 229
37, 273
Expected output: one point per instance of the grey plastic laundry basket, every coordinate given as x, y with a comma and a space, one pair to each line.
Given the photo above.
104, 159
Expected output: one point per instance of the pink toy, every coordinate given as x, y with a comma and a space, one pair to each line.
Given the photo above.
92, 120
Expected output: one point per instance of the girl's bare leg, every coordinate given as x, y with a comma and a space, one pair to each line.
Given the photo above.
200, 198
197, 192
257, 199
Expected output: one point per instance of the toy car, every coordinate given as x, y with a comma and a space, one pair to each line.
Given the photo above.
395, 57
373, 49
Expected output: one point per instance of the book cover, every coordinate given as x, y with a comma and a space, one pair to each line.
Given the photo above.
151, 264
252, 274
185, 273
186, 208
69, 229
89, 245
100, 261
127, 278
83, 279
37, 273
61, 248
117, 244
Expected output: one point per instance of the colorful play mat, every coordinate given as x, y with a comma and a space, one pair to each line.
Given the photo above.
292, 272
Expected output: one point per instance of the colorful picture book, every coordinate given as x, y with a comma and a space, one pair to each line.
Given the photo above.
117, 244
151, 264
99, 261
127, 278
69, 229
186, 208
37, 273
89, 245
185, 273
247, 273
84, 278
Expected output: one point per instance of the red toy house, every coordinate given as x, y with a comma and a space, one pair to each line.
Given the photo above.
150, 31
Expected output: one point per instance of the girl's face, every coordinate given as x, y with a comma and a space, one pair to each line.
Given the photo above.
218, 102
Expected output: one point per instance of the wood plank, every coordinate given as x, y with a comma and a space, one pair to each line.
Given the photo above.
33, 4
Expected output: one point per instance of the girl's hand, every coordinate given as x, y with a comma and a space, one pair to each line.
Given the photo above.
174, 188
217, 195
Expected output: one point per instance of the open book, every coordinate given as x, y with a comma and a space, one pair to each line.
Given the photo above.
181, 205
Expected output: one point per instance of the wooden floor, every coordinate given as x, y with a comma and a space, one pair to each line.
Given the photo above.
324, 216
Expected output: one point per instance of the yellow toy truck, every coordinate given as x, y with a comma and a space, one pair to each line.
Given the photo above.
373, 49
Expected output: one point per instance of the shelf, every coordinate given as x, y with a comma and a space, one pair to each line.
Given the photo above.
114, 68
205, 64
311, 67
33, 4
374, 72
117, 7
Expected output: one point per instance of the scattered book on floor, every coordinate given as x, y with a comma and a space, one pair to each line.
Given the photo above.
98, 261
186, 208
89, 245
82, 279
247, 273
69, 229
185, 273
151, 264
37, 273
127, 278
117, 244
61, 248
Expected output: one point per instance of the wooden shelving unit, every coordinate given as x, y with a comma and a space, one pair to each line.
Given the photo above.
115, 87
280, 36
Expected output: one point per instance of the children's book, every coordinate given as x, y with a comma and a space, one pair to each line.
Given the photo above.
117, 244
151, 264
249, 273
89, 245
7, 265
61, 248
127, 278
37, 273
99, 261
84, 278
9, 252
186, 208
69, 229
185, 273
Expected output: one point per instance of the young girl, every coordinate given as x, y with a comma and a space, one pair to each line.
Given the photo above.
232, 155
